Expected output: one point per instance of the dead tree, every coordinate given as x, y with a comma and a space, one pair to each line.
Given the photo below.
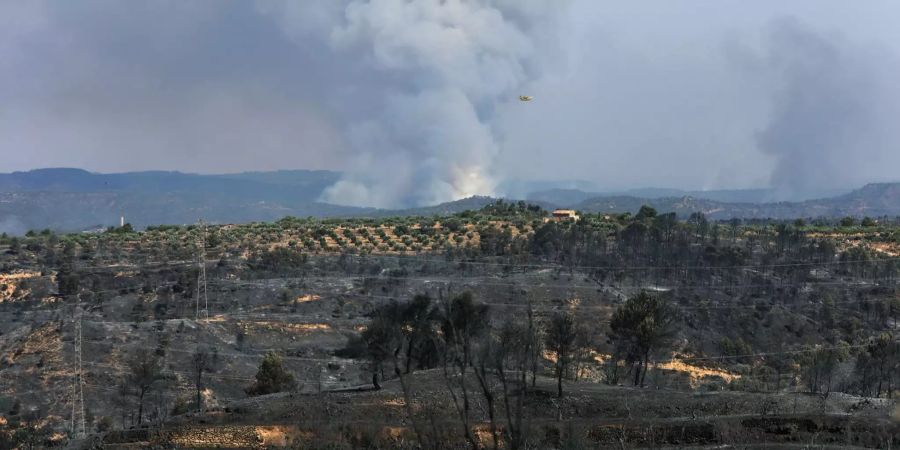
203, 361
144, 372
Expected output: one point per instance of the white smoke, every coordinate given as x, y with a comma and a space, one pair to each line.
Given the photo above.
12, 225
451, 63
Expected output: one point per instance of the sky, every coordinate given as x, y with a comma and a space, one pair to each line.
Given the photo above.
416, 101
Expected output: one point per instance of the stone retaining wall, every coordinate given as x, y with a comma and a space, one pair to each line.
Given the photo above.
226, 436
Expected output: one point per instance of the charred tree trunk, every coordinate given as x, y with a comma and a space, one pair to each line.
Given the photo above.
199, 400
141, 406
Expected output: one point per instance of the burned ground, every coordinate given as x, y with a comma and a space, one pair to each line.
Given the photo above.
758, 309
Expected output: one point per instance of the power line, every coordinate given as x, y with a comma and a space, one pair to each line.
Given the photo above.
165, 264
497, 283
526, 305
255, 356
173, 371
561, 266
201, 274
485, 281
361, 295
143, 267
577, 307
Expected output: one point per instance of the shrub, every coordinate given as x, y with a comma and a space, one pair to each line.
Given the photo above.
271, 377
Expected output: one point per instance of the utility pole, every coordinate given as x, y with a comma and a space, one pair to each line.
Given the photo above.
201, 274
78, 428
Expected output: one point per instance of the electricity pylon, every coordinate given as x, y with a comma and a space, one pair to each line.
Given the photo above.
201, 273
78, 428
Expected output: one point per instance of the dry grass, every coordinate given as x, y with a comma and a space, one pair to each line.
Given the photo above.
10, 285
887, 248
282, 327
280, 435
696, 374
307, 298
874, 241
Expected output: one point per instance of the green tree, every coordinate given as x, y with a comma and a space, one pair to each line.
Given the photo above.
30, 434
819, 366
646, 212
271, 377
884, 353
642, 325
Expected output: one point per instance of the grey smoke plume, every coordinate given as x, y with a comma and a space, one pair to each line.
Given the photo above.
432, 140
835, 111
12, 225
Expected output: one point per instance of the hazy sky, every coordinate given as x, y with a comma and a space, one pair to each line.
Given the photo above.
417, 100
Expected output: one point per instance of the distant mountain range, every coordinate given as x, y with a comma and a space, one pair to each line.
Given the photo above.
875, 200
572, 196
293, 185
74, 199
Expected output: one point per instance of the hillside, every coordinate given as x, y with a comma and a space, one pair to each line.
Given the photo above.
75, 200
768, 327
312, 182
571, 196
874, 200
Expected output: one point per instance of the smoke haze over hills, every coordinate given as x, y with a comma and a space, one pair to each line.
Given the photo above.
73, 200
416, 103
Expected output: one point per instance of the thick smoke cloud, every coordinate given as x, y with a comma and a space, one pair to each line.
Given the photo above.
432, 140
834, 113
792, 95
416, 100
429, 148
190, 86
